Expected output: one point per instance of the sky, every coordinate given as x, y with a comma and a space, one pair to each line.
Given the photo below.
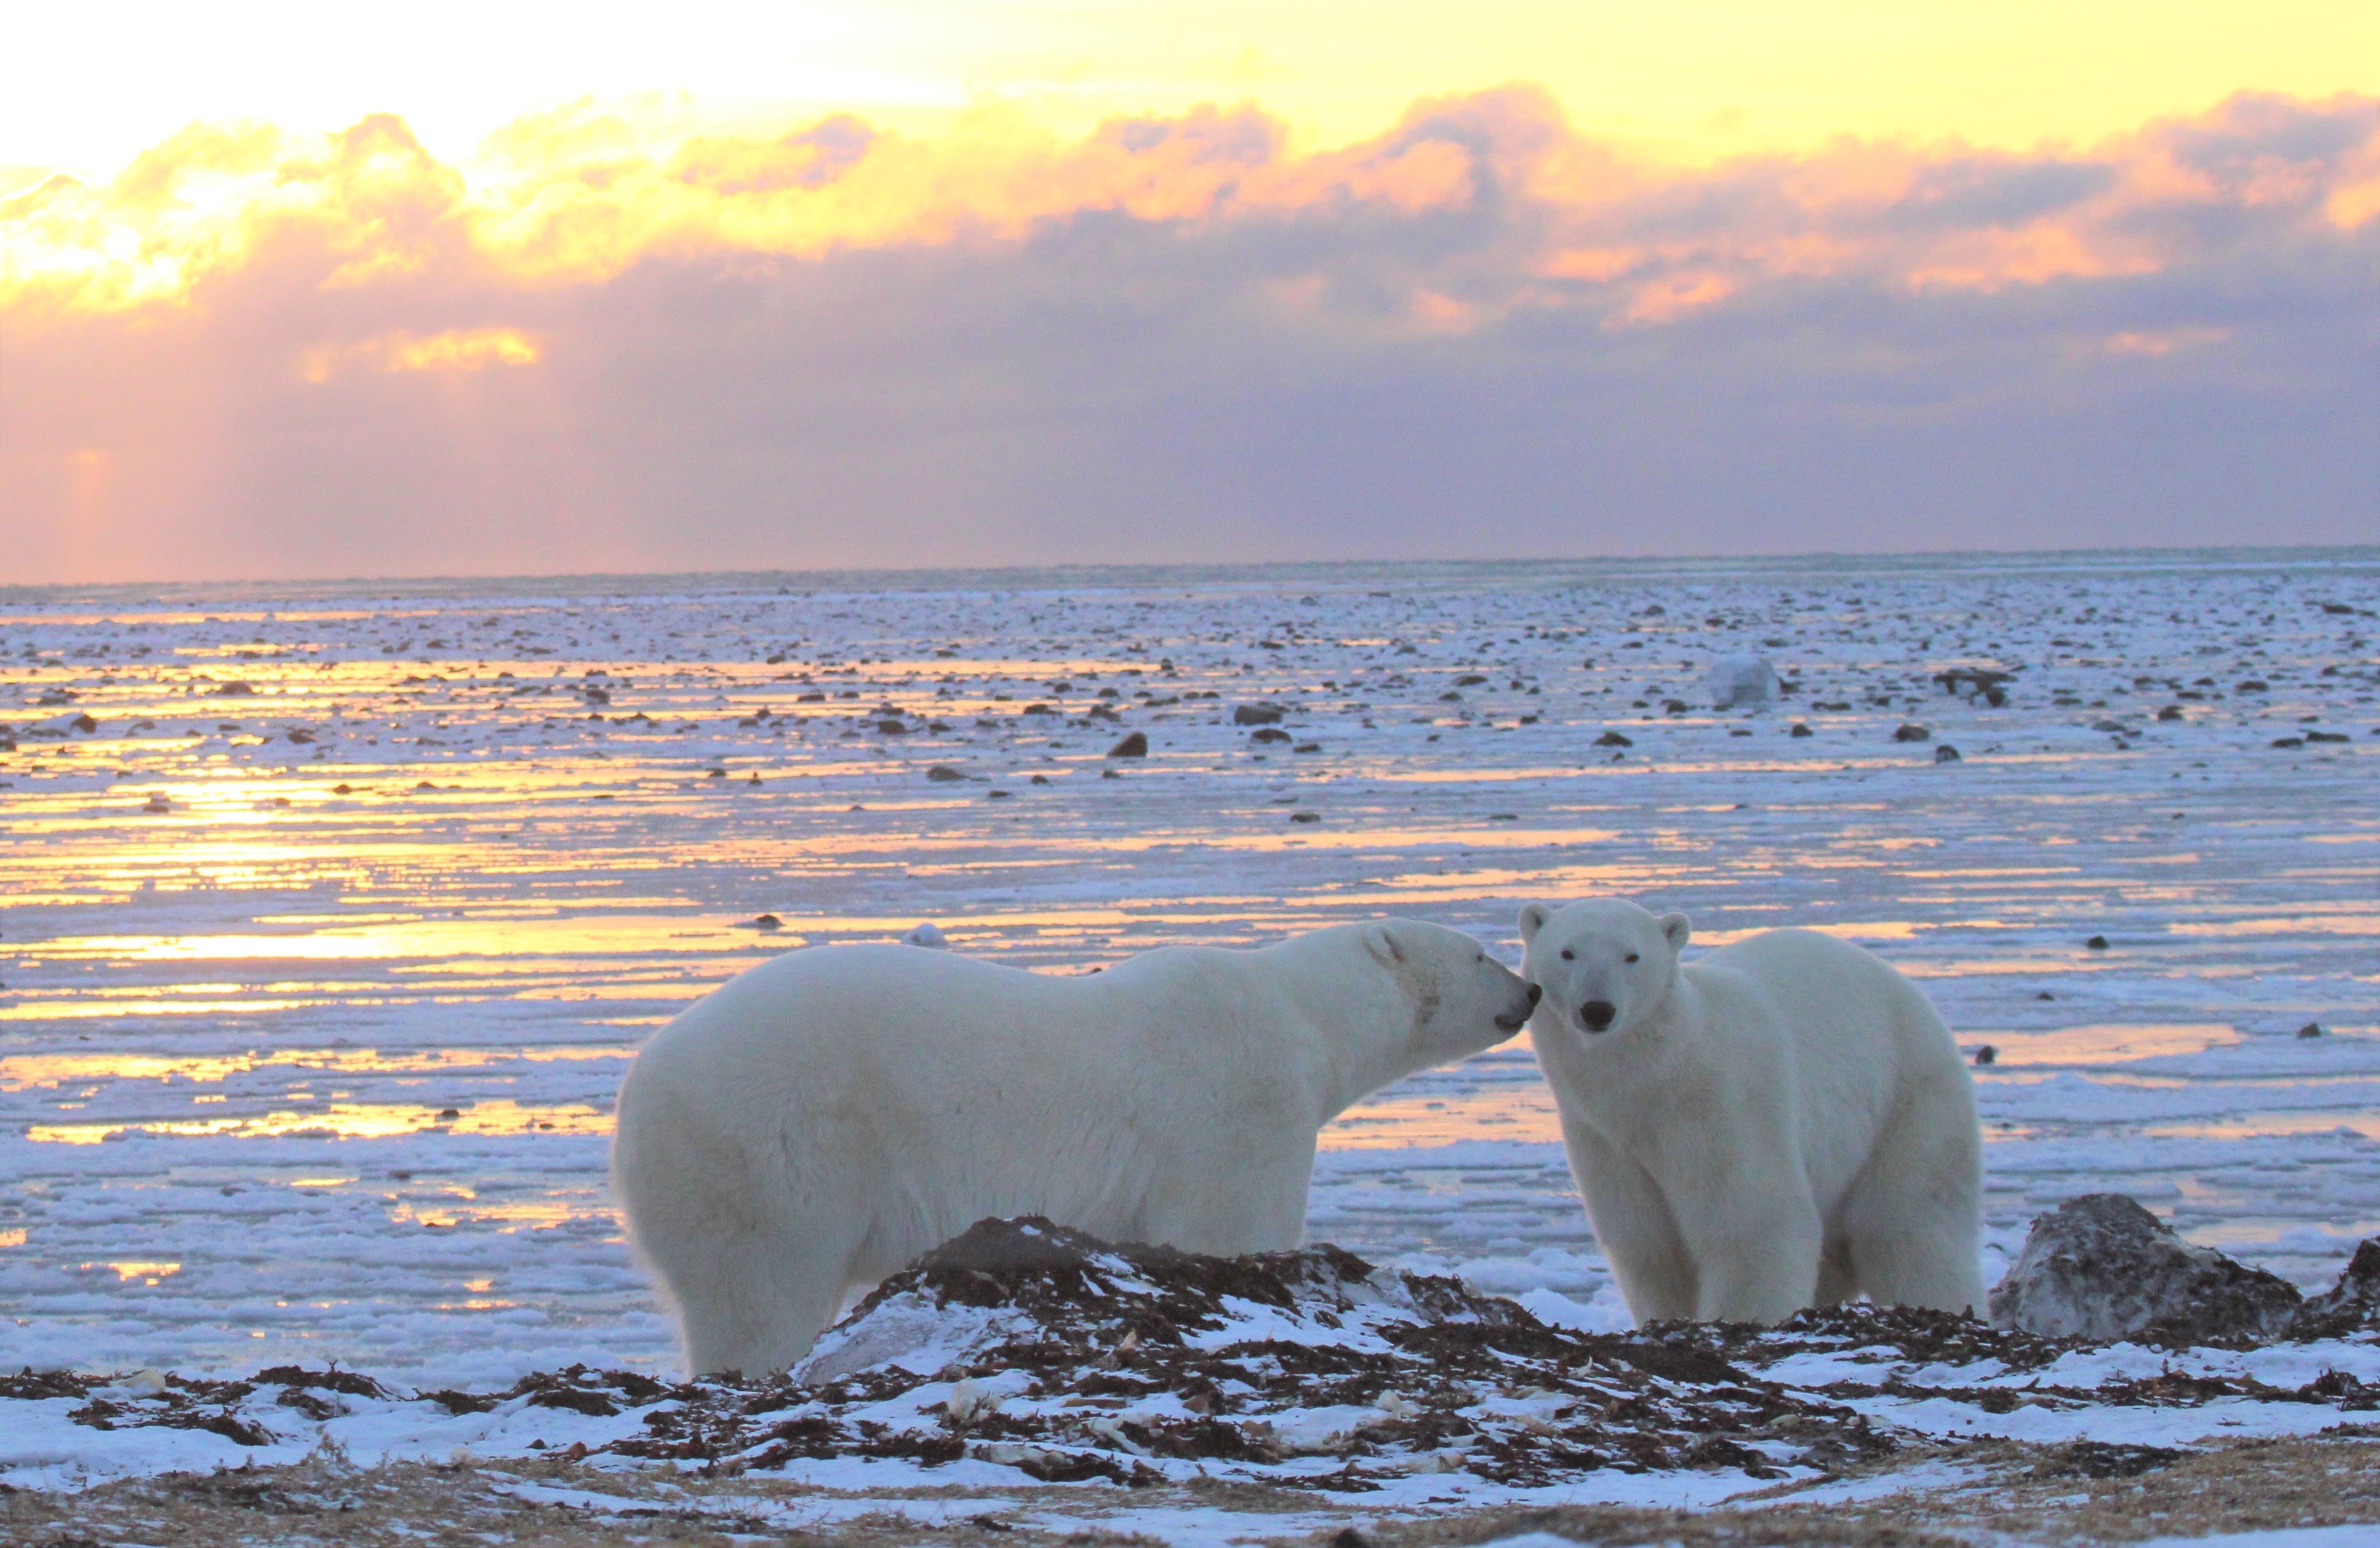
293, 291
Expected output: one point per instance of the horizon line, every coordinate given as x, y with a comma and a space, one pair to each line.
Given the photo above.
821, 578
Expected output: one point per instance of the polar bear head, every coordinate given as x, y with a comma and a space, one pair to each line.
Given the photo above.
1442, 996
1604, 964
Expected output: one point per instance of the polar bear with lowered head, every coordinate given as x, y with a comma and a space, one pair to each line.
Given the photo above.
816, 1123
1783, 1122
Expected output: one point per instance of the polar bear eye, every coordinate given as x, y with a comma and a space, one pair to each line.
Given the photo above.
1630, 957
1566, 954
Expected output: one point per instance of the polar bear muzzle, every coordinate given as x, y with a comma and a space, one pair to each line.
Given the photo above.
1513, 1020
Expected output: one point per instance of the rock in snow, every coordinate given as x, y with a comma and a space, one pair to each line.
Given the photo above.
2101, 1267
1742, 683
2349, 1306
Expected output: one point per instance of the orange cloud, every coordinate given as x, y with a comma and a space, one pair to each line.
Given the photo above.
575, 199
599, 338
457, 349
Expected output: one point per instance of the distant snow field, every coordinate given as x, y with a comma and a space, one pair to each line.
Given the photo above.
328, 918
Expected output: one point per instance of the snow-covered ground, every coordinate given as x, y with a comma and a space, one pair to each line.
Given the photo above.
325, 951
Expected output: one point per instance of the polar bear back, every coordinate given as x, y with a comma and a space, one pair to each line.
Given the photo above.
999, 1091
1867, 1049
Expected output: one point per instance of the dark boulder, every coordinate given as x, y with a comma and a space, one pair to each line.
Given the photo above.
2350, 1306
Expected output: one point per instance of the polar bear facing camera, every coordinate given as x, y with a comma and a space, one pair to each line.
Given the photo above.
816, 1123
1783, 1122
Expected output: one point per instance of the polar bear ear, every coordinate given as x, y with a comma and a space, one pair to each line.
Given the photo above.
1381, 942
1533, 919
1679, 930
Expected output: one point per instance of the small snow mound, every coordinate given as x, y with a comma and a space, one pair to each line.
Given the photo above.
1742, 683
2101, 1267
926, 935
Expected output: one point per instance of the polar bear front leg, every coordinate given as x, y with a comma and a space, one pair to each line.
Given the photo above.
1756, 1251
1633, 1228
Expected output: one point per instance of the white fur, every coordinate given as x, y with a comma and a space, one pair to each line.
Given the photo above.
817, 1122
1783, 1122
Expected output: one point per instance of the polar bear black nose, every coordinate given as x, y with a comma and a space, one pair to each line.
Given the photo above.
1597, 1014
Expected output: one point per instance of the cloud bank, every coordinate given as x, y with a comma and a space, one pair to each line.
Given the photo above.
1479, 333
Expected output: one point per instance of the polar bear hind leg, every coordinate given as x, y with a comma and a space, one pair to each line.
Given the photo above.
755, 1265
755, 1301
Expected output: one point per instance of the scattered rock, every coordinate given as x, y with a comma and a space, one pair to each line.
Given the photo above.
2312, 1028
1742, 683
926, 935
2096, 943
1801, 730
1135, 746
2170, 712
1613, 739
2102, 1268
768, 922
1257, 715
1988, 683
1269, 733
1912, 733
943, 774
2349, 1306
2288, 742
1986, 1056
1946, 754
1306, 816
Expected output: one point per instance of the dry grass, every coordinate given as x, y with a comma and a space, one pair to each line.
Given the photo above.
2043, 1493
2033, 1493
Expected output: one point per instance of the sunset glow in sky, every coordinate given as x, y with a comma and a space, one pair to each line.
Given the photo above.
293, 290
